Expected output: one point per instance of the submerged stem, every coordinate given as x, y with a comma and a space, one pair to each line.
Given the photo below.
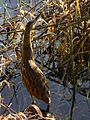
72, 62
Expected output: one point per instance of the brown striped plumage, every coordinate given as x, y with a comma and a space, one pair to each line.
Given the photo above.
32, 77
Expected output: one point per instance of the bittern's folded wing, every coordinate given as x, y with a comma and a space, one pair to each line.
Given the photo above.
37, 83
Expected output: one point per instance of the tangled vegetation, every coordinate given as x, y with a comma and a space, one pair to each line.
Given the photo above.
61, 42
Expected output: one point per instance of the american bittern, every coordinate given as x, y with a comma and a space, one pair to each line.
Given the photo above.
32, 77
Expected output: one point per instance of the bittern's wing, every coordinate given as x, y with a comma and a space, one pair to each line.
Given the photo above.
38, 83
35, 67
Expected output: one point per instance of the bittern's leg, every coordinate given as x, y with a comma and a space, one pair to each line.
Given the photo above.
48, 106
33, 100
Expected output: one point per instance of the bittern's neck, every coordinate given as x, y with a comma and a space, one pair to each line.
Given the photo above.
27, 50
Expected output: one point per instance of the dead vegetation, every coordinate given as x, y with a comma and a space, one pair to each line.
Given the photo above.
62, 35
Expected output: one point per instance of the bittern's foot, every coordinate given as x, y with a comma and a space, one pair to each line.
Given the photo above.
34, 102
48, 107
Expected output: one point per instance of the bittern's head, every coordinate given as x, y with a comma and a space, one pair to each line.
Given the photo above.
30, 24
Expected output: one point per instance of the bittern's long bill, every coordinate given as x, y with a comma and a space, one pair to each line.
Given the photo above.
32, 77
